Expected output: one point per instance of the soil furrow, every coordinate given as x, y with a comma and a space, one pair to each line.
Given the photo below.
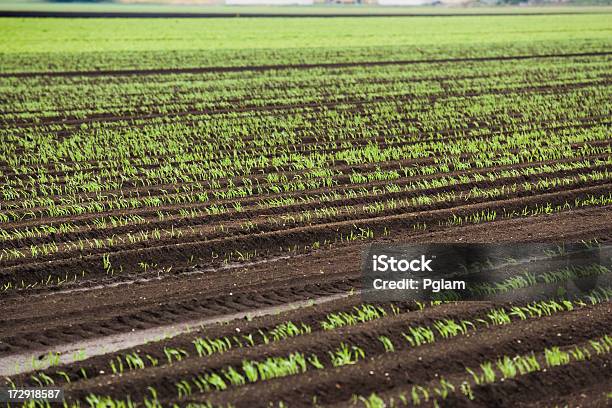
297, 66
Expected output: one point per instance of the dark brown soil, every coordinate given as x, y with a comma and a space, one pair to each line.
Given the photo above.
53, 317
418, 365
265, 260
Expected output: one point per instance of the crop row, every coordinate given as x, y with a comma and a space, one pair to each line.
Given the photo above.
364, 229
347, 352
201, 92
479, 153
318, 215
489, 372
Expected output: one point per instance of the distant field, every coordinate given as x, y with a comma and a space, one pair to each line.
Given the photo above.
148, 43
184, 205
34, 6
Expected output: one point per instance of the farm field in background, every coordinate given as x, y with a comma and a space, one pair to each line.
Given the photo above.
76, 9
159, 175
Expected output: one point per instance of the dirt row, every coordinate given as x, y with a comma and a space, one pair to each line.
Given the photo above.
322, 93
252, 208
294, 83
420, 364
30, 334
233, 232
311, 144
380, 371
341, 178
296, 66
167, 253
282, 109
192, 119
585, 383
56, 316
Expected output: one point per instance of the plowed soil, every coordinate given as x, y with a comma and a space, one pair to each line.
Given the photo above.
101, 269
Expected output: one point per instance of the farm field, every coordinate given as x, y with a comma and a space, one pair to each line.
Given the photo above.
184, 205
33, 8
